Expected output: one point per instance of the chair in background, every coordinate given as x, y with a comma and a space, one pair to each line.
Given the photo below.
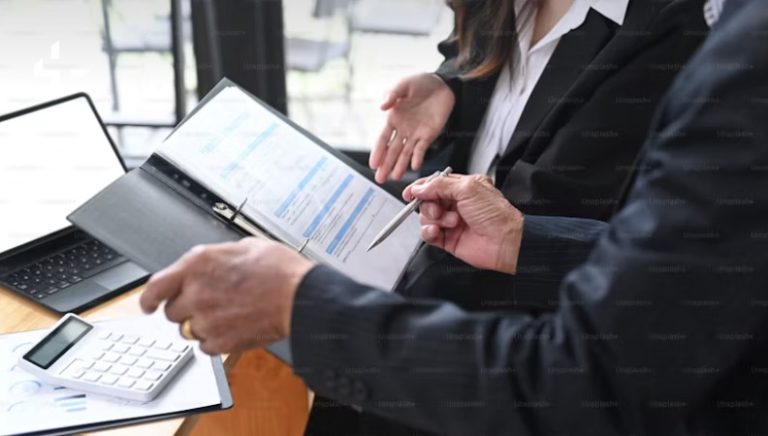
310, 55
307, 55
399, 17
165, 38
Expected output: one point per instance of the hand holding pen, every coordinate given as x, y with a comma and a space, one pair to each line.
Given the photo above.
400, 218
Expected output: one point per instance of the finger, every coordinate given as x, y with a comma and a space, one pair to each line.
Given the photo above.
419, 150
179, 308
164, 285
450, 220
431, 210
402, 161
378, 152
407, 194
441, 188
392, 154
398, 92
432, 235
390, 100
211, 347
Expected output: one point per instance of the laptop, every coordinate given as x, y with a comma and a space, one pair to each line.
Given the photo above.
53, 158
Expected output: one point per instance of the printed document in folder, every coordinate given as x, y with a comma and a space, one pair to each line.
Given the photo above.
295, 189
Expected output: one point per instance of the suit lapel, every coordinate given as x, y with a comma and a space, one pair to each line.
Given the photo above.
555, 87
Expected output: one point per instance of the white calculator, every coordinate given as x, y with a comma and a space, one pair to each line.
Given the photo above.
83, 356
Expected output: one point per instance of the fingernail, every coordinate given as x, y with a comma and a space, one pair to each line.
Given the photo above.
417, 189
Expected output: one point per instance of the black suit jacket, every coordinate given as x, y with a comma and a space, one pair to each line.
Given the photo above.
663, 330
574, 151
588, 116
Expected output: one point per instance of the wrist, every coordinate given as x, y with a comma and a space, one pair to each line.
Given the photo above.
511, 243
295, 277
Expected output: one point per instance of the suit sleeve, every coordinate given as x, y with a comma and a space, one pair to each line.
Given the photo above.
660, 324
448, 71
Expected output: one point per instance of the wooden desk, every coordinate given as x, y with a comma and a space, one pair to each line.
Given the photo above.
274, 382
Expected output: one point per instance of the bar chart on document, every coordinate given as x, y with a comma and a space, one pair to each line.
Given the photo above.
294, 188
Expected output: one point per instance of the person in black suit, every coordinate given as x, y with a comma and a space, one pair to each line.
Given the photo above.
661, 326
557, 123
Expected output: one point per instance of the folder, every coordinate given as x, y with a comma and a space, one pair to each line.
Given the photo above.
233, 153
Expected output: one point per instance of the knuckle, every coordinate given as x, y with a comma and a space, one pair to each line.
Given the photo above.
196, 253
209, 347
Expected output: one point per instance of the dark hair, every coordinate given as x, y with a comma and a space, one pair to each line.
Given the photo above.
486, 34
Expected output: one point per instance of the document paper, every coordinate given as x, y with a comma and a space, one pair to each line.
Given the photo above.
295, 189
24, 399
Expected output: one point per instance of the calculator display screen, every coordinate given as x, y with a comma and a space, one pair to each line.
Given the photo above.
53, 346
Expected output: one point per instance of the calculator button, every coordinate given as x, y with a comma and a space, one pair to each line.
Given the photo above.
75, 373
115, 337
142, 385
120, 348
144, 363
162, 345
135, 372
97, 355
80, 364
111, 357
146, 342
101, 366
136, 351
105, 335
106, 346
153, 375
92, 376
179, 348
163, 355
130, 339
119, 370
126, 382
162, 366
107, 379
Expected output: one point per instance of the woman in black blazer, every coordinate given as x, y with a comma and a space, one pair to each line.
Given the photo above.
572, 150
584, 123
574, 147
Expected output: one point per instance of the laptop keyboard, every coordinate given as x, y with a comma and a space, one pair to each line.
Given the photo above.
58, 272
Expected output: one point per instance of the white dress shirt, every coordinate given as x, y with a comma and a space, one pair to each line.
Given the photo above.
514, 89
712, 11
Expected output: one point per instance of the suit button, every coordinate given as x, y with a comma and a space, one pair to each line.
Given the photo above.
359, 391
344, 387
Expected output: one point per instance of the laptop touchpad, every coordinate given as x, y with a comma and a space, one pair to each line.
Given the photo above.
119, 276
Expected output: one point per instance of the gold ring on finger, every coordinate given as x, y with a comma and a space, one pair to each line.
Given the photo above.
186, 330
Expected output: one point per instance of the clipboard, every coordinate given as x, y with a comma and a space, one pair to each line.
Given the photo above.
220, 379
156, 213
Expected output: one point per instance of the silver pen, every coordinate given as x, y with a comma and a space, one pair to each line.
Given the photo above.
403, 215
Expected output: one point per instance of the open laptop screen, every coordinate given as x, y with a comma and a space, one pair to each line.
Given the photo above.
51, 161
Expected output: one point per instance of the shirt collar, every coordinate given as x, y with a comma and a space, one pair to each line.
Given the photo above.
712, 11
614, 10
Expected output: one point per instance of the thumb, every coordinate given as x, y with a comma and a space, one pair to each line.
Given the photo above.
398, 92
